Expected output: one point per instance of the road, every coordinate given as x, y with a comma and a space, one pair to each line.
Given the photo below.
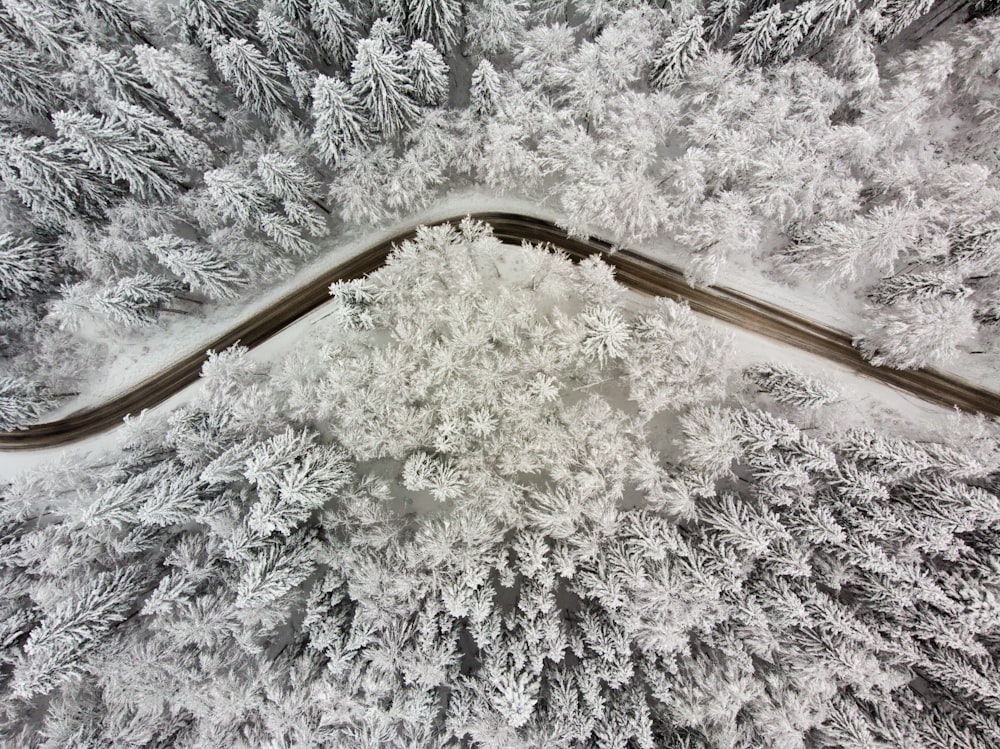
634, 271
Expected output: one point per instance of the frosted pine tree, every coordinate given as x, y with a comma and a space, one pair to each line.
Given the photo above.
283, 40
339, 122
108, 75
110, 148
486, 92
786, 385
46, 29
51, 179
685, 45
198, 266
428, 72
184, 85
383, 87
493, 25
25, 267
226, 17
26, 80
919, 333
755, 40
437, 21
135, 301
22, 401
259, 81
795, 27
336, 29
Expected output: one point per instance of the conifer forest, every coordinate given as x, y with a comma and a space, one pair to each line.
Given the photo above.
488, 496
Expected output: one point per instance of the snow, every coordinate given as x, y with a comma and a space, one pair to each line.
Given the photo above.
865, 397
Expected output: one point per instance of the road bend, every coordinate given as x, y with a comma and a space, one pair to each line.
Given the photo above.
631, 269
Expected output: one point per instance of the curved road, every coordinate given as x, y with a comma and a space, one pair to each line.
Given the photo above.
632, 270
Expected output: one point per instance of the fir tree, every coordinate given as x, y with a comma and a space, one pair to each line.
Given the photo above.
437, 21
110, 148
259, 81
51, 180
336, 29
22, 401
184, 86
339, 123
197, 265
755, 39
786, 385
26, 80
25, 267
685, 45
283, 40
429, 73
486, 92
134, 301
381, 85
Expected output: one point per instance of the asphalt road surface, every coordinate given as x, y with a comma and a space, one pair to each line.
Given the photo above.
632, 270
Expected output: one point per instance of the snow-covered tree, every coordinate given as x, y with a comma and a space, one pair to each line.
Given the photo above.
197, 265
428, 72
437, 21
22, 401
339, 122
918, 333
134, 301
52, 180
755, 40
383, 87
685, 45
111, 148
283, 40
787, 385
181, 83
25, 266
26, 80
258, 80
336, 29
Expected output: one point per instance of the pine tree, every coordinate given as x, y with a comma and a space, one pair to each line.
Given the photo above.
428, 72
916, 286
26, 80
25, 267
755, 40
72, 626
236, 195
51, 180
182, 84
786, 385
380, 83
46, 30
486, 92
437, 21
336, 30
258, 80
22, 401
339, 123
110, 148
285, 178
282, 39
227, 17
134, 301
685, 45
199, 266
493, 25
111, 76
795, 27
916, 334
